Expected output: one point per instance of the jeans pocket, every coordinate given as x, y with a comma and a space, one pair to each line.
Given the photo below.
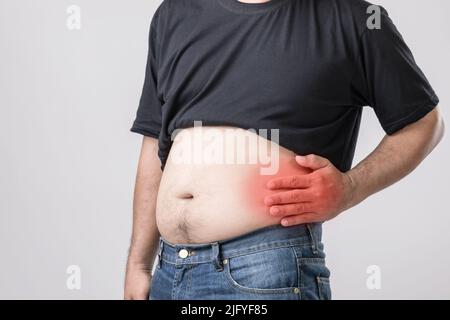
273, 271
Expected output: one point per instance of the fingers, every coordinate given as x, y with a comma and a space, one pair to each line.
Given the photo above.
312, 161
290, 182
291, 209
292, 196
300, 219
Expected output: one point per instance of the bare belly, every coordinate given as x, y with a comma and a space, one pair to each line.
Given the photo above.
214, 183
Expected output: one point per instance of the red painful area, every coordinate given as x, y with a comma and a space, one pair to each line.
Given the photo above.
255, 184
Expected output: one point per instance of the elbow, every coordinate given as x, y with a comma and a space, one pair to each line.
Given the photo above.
442, 133
439, 126
436, 128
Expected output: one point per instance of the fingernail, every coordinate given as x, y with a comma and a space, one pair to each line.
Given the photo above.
274, 211
268, 201
285, 223
270, 185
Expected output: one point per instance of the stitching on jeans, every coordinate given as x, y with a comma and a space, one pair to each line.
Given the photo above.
297, 259
189, 270
313, 260
175, 282
319, 289
244, 253
237, 286
241, 252
323, 287
313, 239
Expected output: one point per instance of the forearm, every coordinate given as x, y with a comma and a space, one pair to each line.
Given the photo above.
396, 156
145, 233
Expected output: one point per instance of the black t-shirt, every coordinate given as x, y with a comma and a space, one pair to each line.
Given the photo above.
305, 67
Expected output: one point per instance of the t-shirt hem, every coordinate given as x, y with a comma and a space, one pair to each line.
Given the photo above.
419, 113
145, 132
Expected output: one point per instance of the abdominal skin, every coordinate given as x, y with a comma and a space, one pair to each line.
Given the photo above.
254, 188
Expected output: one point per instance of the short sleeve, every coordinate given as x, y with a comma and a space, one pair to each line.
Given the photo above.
389, 80
148, 116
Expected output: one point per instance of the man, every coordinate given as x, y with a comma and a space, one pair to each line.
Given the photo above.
237, 213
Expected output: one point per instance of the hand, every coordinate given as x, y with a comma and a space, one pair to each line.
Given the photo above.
137, 282
315, 197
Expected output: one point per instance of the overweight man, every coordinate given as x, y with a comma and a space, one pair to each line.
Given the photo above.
250, 114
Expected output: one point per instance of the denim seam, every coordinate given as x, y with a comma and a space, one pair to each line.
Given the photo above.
272, 245
262, 249
322, 287
241, 252
313, 239
305, 239
189, 270
297, 262
323, 279
175, 283
319, 288
312, 260
238, 254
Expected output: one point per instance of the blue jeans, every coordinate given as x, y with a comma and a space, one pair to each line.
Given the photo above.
274, 263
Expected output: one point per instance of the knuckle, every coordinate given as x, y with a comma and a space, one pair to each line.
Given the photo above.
318, 193
314, 192
320, 179
320, 207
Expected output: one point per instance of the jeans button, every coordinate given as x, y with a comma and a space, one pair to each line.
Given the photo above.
183, 253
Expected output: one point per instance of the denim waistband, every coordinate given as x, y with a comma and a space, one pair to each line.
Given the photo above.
263, 239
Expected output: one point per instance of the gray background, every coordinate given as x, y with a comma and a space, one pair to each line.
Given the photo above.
68, 161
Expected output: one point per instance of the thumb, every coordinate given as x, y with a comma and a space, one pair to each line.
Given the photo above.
312, 161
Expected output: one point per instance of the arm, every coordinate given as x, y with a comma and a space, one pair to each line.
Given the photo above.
326, 192
145, 236
396, 156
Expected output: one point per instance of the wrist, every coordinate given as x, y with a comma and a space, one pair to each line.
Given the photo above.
137, 266
141, 254
136, 261
357, 194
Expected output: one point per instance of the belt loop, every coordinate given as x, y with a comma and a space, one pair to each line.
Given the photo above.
313, 239
161, 246
216, 256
